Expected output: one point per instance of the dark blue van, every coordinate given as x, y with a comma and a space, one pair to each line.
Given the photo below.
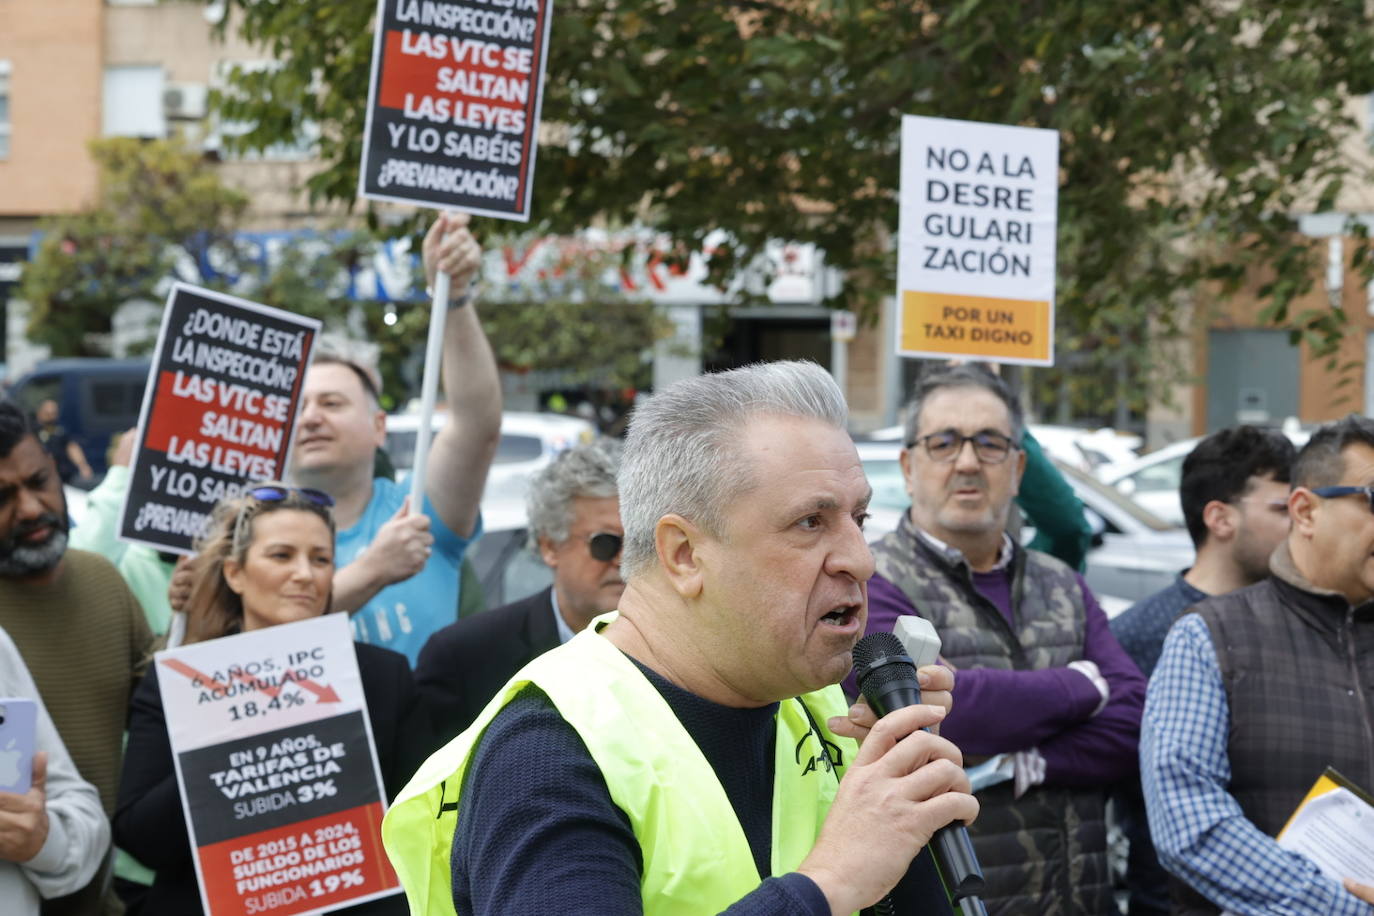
96, 398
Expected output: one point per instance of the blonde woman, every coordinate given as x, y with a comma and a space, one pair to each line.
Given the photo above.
267, 559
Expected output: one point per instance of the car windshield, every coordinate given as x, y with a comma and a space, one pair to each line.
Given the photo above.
1082, 481
517, 448
400, 447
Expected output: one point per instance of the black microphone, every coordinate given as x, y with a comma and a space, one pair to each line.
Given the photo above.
887, 679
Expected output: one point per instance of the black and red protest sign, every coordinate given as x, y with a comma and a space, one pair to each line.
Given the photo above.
218, 411
453, 112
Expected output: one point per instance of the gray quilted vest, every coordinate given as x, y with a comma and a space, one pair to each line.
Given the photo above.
1297, 663
1046, 852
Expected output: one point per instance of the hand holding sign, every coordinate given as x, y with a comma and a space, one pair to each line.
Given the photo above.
451, 248
400, 549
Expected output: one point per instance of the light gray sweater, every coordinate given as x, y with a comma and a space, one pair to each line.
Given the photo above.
78, 832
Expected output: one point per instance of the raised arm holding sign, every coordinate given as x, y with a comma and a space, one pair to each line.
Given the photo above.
398, 572
452, 121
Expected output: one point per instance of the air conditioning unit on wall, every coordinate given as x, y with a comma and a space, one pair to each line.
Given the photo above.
185, 101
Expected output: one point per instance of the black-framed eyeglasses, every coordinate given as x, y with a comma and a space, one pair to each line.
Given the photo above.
989, 446
1329, 492
604, 546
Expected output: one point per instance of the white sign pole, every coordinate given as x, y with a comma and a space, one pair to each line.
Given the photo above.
434, 355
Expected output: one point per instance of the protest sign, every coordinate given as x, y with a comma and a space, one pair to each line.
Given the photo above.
976, 241
453, 109
218, 411
277, 769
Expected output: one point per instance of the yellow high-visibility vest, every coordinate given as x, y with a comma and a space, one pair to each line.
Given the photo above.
696, 857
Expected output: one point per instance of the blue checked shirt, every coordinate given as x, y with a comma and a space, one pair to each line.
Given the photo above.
1199, 830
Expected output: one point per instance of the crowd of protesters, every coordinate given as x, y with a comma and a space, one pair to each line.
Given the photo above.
643, 761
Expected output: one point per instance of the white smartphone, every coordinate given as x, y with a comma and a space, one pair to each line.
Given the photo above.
18, 732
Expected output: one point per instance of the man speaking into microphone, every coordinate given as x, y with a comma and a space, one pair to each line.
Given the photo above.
693, 754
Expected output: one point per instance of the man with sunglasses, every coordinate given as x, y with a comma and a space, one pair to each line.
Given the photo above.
1258, 691
399, 569
574, 515
1043, 685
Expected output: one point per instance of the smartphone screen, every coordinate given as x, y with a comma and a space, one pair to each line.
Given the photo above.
18, 727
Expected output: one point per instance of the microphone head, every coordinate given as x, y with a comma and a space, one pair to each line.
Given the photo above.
875, 646
880, 658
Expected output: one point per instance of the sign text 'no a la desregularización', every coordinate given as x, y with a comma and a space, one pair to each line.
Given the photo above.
976, 250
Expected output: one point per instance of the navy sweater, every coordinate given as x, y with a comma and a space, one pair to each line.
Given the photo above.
539, 833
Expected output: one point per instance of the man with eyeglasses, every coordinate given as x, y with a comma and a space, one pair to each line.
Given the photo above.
1043, 685
1259, 690
574, 526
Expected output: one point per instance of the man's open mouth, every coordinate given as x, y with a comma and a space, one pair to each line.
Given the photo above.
841, 616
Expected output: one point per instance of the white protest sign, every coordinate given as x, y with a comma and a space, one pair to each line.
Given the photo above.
277, 769
976, 241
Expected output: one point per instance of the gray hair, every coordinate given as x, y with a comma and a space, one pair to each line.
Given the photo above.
682, 451
587, 470
961, 376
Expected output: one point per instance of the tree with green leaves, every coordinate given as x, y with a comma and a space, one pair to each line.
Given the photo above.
162, 202
158, 202
1190, 132
572, 320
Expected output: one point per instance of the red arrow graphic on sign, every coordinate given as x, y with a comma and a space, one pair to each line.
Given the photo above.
182, 668
323, 692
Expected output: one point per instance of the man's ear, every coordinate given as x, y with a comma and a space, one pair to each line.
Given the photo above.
1020, 470
1220, 520
905, 459
379, 429
678, 544
1303, 506
548, 552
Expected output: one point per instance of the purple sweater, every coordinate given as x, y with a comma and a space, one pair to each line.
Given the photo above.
1007, 710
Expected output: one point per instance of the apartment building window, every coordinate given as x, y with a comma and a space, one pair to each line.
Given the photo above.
4, 109
133, 102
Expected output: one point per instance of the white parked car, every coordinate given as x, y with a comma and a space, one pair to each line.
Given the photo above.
1094, 450
528, 442
1153, 480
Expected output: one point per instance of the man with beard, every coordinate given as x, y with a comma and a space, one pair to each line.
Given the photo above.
1041, 678
574, 515
80, 631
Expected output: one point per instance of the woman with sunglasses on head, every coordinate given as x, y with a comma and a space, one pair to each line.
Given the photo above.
267, 559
